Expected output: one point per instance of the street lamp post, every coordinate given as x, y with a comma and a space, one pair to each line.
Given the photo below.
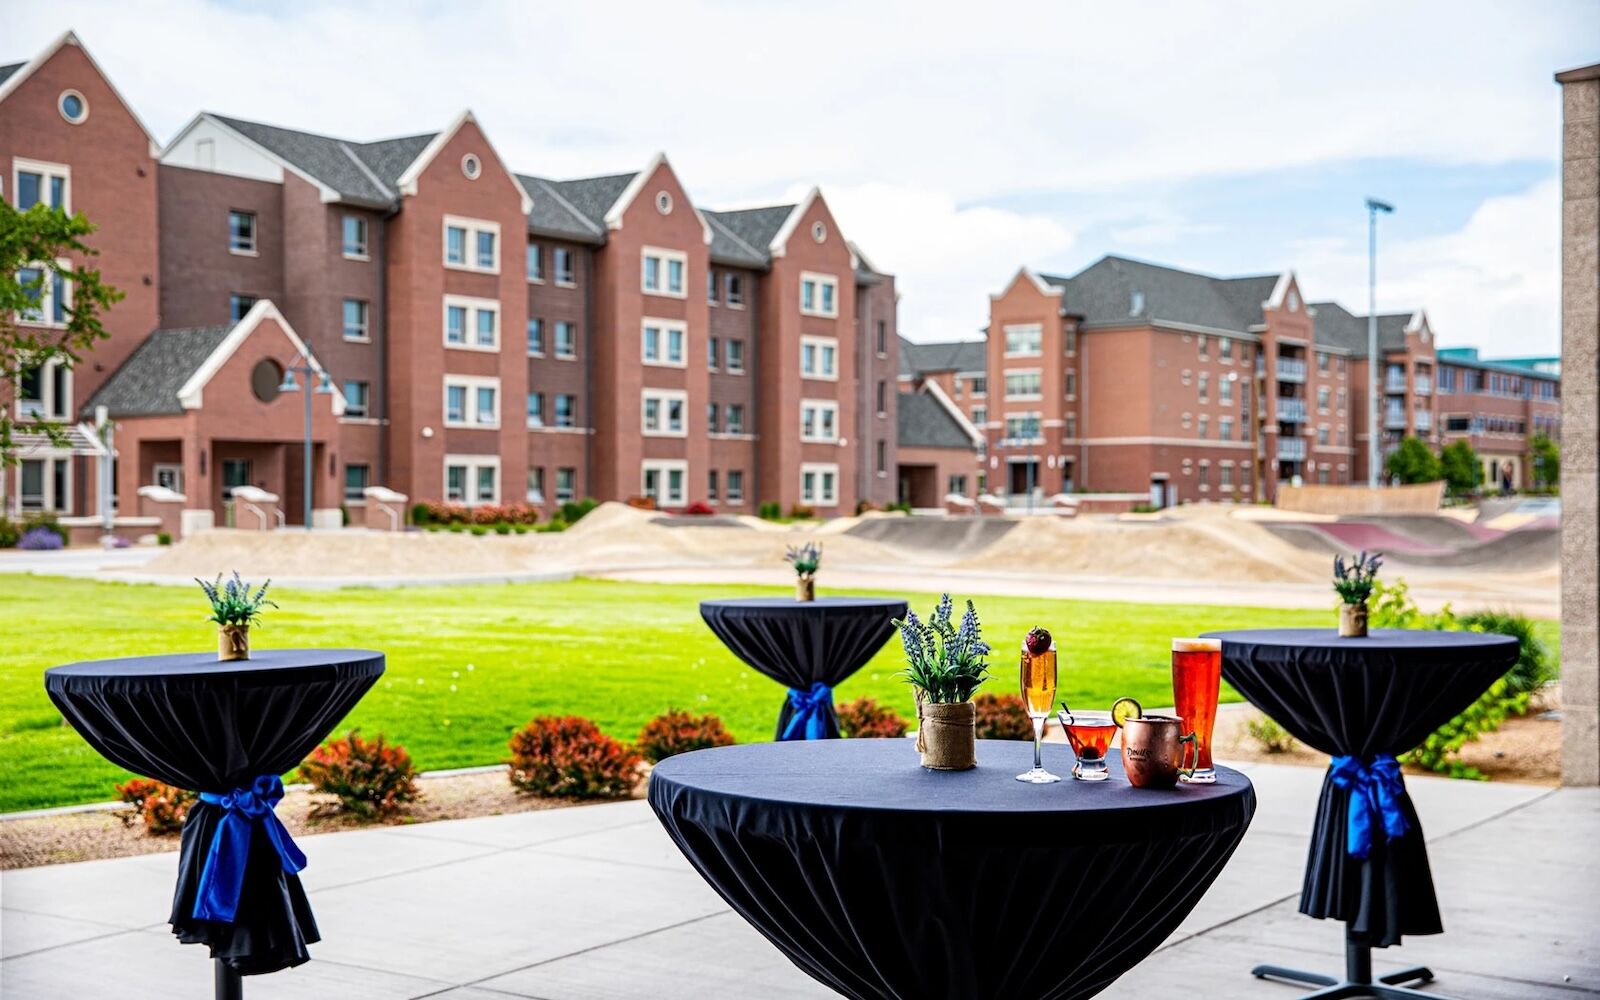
324, 388
1374, 206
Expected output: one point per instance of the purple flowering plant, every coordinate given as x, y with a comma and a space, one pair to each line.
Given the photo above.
945, 662
1354, 580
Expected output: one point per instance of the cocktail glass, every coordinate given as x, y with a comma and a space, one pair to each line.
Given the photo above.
1196, 678
1090, 734
1038, 694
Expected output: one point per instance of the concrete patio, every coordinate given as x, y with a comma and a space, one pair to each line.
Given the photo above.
595, 903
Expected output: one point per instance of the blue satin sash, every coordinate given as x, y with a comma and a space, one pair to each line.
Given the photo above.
1375, 790
810, 712
244, 809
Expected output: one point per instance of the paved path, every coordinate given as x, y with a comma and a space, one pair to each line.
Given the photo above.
594, 903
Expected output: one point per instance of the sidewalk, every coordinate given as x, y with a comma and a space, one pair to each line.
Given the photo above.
595, 903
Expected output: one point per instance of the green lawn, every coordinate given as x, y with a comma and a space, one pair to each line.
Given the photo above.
468, 664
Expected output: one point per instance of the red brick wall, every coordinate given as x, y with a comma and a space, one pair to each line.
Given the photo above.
553, 448
729, 452
198, 272
877, 303
1023, 303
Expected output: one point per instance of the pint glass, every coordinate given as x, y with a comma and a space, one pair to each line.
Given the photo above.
1196, 678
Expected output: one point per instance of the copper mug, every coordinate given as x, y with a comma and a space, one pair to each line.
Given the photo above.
1154, 749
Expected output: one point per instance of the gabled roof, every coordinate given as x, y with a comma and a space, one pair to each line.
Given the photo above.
366, 173
728, 247
7, 71
554, 215
757, 227
592, 197
1336, 326
922, 421
12, 76
1120, 290
917, 360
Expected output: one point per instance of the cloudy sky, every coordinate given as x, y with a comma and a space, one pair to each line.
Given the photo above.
959, 141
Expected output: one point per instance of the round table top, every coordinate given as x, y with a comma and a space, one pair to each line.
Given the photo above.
1418, 646
267, 665
885, 777
788, 605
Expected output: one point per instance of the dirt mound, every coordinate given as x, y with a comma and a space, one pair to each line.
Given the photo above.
1530, 549
1434, 532
952, 536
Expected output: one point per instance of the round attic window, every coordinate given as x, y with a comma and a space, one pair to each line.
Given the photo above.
265, 378
819, 232
73, 107
471, 166
663, 202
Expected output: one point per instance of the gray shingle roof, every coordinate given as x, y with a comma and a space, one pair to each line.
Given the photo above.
1104, 292
755, 226
554, 215
361, 172
728, 247
923, 422
7, 71
592, 197
1337, 326
917, 360
147, 383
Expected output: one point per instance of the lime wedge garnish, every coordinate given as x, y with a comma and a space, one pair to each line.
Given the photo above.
1124, 709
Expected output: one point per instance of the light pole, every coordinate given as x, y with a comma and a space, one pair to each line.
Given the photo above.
324, 388
1374, 206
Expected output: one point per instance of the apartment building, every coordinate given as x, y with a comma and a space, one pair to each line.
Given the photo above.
1497, 406
467, 332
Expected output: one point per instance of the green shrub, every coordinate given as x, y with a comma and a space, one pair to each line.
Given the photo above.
1272, 737
504, 528
456, 526
478, 529
9, 533
769, 511
370, 779
570, 756
1438, 752
866, 719
1002, 717
419, 514
1143, 508
1533, 668
522, 529
898, 508
572, 511
676, 731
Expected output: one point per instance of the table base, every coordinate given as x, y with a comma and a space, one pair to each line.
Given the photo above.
1358, 981
229, 984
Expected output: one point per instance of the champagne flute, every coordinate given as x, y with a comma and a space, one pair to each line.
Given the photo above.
1039, 694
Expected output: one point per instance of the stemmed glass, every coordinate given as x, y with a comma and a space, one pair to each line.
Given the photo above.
1038, 693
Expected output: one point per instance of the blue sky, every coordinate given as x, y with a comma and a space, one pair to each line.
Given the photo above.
958, 142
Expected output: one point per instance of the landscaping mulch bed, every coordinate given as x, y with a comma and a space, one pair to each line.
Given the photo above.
86, 836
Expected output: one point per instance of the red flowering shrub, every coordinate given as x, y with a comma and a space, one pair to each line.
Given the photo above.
162, 807
866, 719
676, 731
570, 756
1002, 717
801, 510
699, 509
371, 779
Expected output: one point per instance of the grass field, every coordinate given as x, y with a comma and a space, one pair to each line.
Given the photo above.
466, 665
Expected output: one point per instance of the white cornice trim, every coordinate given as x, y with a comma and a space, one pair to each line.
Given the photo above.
780, 241
191, 395
1039, 284
1418, 322
409, 177
967, 426
619, 208
1280, 291
859, 259
71, 38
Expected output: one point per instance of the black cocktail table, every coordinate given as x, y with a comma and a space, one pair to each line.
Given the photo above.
228, 731
1364, 701
883, 880
808, 646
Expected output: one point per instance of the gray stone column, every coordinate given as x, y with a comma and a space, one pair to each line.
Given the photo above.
1580, 425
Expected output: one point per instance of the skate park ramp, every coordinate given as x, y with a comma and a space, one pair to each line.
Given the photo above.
954, 537
1419, 540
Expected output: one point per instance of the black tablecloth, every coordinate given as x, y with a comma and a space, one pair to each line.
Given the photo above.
193, 722
881, 879
801, 643
1382, 694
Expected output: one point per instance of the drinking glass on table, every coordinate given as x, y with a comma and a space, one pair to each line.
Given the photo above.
1090, 734
1038, 694
1196, 678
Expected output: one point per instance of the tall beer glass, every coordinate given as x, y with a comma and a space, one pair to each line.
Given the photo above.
1196, 678
1039, 693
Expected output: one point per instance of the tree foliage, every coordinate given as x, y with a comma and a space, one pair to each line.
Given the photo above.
1461, 467
1546, 460
1413, 462
31, 244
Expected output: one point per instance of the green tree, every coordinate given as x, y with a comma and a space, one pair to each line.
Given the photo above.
1413, 462
1546, 460
30, 243
1461, 467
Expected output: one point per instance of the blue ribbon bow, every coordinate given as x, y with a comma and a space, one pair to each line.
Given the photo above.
222, 878
810, 712
1374, 788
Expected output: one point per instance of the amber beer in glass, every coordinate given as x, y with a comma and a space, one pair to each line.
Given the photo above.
1038, 694
1196, 678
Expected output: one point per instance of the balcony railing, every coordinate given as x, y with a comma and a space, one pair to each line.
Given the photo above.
1291, 449
1290, 370
1423, 386
1395, 384
1394, 419
1424, 420
1292, 411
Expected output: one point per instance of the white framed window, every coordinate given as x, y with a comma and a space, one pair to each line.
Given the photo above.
734, 293
664, 272
734, 363
1023, 383
471, 324
1203, 382
819, 420
472, 479
662, 413
819, 483
535, 337
1024, 341
566, 484
566, 410
819, 294
1202, 425
1225, 387
662, 342
735, 493
664, 480
565, 275
535, 262
44, 484
357, 400
357, 477
535, 409
73, 107
1023, 426
239, 304
819, 358
34, 182
356, 320
711, 286
1225, 428
51, 296
733, 418
1070, 380
980, 415
471, 401
471, 166
242, 232
566, 339
353, 238
471, 244
45, 392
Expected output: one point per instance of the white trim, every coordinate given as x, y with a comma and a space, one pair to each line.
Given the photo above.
664, 397
859, 259
47, 169
780, 240
614, 214
469, 489
663, 256
16, 79
944, 400
664, 327
471, 417
1181, 442
473, 308
407, 182
1280, 291
807, 340
1039, 284
666, 466
820, 281
469, 244
1004, 336
325, 194
819, 469
1008, 396
820, 406
84, 101
191, 395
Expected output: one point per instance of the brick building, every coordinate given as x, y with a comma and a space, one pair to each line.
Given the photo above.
494, 336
